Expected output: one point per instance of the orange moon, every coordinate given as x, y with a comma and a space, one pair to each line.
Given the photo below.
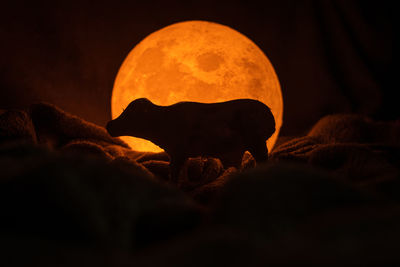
196, 61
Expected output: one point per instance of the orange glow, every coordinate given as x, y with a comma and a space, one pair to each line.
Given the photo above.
196, 61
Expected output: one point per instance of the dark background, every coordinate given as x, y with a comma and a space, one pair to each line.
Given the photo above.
330, 56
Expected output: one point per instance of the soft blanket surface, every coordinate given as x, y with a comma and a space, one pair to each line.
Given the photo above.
69, 190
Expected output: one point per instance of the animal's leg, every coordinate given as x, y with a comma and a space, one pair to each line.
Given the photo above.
259, 151
175, 167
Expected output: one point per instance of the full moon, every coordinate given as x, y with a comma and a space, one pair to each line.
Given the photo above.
196, 61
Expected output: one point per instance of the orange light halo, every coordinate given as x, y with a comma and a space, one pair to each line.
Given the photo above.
196, 61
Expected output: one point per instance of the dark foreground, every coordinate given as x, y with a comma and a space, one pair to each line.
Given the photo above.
71, 195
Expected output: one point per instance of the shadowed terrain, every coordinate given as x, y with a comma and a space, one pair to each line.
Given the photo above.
72, 194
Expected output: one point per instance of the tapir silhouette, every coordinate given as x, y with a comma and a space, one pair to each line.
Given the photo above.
222, 130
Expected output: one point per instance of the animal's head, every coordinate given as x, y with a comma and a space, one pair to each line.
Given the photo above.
132, 120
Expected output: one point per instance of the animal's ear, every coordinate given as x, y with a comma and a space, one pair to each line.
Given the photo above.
139, 103
144, 104
142, 101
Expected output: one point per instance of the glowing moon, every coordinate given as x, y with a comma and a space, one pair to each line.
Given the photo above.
196, 61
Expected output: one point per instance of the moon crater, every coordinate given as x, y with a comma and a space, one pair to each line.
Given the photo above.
209, 61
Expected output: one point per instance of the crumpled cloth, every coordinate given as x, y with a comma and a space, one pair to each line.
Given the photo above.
353, 147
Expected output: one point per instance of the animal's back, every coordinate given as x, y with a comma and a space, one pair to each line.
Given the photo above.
240, 114
215, 127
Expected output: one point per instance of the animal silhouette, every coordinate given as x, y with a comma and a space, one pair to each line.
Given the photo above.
222, 130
